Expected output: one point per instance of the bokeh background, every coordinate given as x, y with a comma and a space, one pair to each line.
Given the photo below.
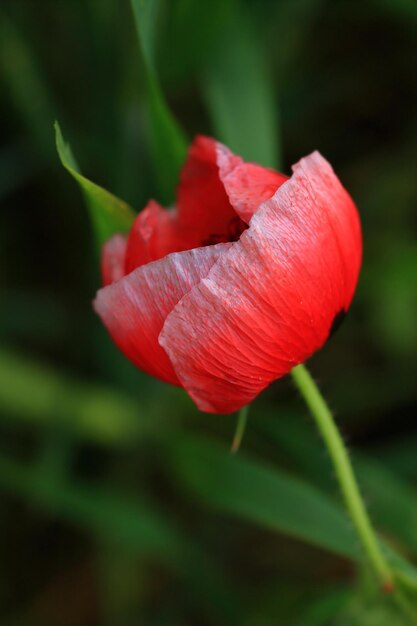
120, 503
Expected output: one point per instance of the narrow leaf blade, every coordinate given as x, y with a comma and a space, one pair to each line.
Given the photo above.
240, 95
244, 488
168, 143
108, 213
396, 514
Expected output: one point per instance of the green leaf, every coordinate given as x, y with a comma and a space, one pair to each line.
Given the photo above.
123, 521
167, 140
242, 487
369, 607
406, 591
108, 213
372, 612
322, 611
33, 394
133, 523
396, 514
145, 13
240, 94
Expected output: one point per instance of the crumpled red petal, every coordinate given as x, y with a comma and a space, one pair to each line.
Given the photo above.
247, 184
217, 195
113, 255
205, 215
134, 308
152, 236
269, 302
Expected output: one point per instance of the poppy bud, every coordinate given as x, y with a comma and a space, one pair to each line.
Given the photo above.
239, 283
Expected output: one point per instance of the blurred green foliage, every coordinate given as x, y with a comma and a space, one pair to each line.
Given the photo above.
117, 505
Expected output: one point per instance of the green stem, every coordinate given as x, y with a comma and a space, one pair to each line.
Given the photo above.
242, 419
344, 472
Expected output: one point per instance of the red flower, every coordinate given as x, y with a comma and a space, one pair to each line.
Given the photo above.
239, 283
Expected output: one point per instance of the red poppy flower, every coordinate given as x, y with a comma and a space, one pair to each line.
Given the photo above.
239, 283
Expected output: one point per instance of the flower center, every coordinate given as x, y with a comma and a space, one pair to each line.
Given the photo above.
234, 229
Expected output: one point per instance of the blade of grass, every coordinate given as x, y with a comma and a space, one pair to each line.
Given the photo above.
240, 486
396, 513
108, 214
167, 140
36, 394
323, 610
126, 523
240, 94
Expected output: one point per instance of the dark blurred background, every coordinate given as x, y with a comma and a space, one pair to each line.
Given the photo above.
99, 522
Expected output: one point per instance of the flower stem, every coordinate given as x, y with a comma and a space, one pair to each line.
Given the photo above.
344, 472
242, 418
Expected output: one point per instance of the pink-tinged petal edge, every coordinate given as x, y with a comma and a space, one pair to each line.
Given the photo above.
268, 302
217, 195
134, 308
247, 184
113, 259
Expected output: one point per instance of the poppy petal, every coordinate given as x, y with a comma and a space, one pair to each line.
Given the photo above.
205, 214
247, 184
113, 259
269, 302
134, 308
153, 236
